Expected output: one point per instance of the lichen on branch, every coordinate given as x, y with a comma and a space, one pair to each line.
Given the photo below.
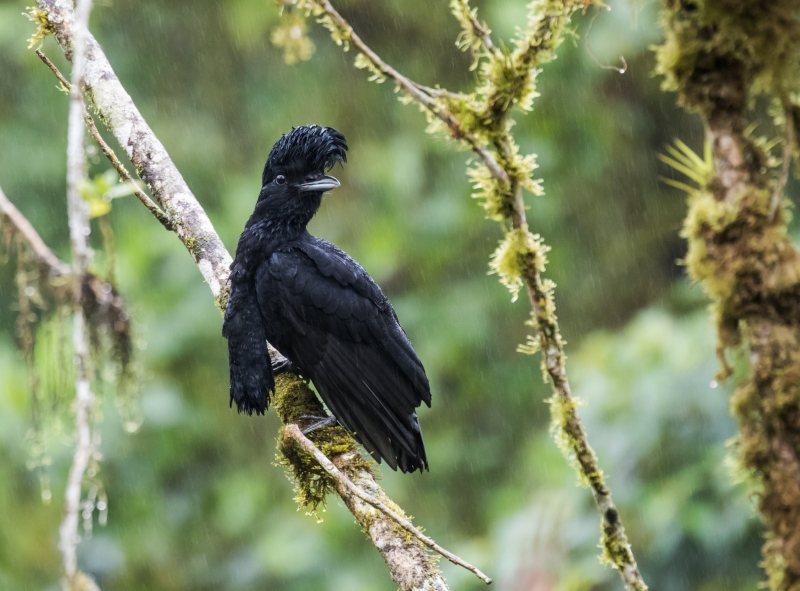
719, 55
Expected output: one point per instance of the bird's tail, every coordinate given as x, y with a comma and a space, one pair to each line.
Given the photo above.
251, 371
375, 401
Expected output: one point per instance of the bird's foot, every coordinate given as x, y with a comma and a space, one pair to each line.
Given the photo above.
283, 366
318, 423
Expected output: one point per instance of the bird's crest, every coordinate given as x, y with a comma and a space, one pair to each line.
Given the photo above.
308, 147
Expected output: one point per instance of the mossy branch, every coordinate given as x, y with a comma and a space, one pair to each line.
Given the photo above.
480, 119
410, 566
718, 56
346, 488
29, 235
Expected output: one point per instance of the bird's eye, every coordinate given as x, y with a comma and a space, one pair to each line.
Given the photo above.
280, 179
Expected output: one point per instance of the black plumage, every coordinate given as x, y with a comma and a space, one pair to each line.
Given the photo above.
320, 309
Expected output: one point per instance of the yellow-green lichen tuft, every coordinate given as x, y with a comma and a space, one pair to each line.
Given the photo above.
616, 550
43, 25
563, 425
494, 196
362, 62
292, 37
221, 302
472, 30
519, 252
293, 399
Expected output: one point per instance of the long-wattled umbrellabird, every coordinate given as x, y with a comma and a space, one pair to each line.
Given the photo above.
320, 309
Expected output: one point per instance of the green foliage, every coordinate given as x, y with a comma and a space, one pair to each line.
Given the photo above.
101, 189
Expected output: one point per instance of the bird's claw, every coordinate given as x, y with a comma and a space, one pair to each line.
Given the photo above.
318, 423
284, 366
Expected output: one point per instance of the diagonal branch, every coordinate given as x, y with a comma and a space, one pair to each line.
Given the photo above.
145, 151
416, 91
346, 486
24, 229
409, 565
110, 154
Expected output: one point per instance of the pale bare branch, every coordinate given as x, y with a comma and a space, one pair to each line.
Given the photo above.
145, 151
78, 213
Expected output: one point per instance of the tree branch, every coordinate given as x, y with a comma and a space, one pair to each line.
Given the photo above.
410, 566
739, 246
145, 151
27, 232
110, 154
416, 91
78, 213
347, 488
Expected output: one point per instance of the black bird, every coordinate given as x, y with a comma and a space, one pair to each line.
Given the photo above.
320, 309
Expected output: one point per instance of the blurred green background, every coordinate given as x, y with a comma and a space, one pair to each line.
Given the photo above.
195, 500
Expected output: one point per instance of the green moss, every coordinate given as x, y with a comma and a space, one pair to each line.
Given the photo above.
221, 302
43, 26
190, 242
719, 55
294, 399
472, 30
713, 46
517, 253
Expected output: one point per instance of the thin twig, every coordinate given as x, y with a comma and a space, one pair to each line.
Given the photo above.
588, 46
79, 231
417, 93
478, 28
39, 249
788, 147
295, 433
159, 214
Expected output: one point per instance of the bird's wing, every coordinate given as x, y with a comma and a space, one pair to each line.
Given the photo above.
345, 336
248, 356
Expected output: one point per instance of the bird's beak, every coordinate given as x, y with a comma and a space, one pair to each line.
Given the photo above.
323, 183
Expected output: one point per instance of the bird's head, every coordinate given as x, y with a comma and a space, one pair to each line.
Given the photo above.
296, 166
